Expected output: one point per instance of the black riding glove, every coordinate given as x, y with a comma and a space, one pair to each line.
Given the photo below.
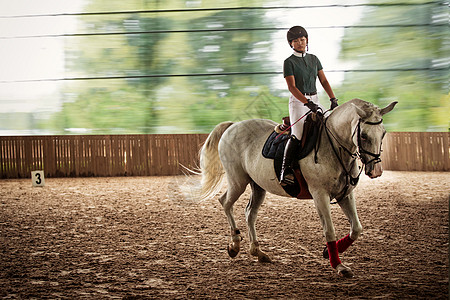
334, 103
312, 106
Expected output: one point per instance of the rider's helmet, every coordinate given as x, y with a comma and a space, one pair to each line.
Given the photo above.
295, 33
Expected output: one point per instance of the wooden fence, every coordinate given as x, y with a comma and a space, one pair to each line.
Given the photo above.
416, 151
147, 155
99, 155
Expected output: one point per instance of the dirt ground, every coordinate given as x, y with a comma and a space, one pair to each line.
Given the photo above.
146, 238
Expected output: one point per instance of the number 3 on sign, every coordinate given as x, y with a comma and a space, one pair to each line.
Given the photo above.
37, 178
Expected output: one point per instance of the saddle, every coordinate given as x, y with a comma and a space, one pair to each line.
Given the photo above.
276, 143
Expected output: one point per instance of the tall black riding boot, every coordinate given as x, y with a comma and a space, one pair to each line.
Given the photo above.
287, 173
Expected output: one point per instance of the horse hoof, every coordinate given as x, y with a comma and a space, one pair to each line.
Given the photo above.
326, 255
344, 271
264, 259
231, 252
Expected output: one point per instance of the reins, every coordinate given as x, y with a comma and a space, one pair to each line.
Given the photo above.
349, 179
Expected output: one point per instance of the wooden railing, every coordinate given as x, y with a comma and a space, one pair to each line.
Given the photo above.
147, 155
99, 155
416, 151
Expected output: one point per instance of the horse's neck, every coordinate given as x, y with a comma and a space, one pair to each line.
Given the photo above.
332, 154
341, 128
336, 145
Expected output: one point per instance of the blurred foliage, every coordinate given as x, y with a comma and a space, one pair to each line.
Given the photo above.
146, 103
139, 101
422, 52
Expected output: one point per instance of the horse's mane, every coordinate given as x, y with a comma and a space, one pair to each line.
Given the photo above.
370, 109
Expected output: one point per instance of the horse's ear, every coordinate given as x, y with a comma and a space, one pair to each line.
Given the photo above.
388, 108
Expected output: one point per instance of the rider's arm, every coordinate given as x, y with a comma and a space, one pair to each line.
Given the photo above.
290, 80
326, 85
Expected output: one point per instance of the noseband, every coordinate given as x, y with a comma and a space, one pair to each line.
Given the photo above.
376, 157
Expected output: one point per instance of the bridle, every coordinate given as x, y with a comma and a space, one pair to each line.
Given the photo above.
360, 150
350, 180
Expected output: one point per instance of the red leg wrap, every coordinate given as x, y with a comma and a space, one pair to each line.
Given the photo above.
344, 243
333, 253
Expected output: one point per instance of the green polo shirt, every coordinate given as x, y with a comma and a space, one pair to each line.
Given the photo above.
305, 70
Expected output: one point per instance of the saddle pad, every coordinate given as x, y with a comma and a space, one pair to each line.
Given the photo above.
275, 146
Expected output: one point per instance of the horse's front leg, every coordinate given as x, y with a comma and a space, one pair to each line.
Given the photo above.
322, 203
348, 206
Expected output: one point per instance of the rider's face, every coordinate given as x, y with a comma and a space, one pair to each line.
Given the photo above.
299, 44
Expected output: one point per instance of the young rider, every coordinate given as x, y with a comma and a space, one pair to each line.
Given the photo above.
300, 71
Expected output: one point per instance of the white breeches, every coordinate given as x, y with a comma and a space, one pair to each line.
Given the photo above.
296, 110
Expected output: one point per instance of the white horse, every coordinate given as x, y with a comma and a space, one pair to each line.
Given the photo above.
352, 130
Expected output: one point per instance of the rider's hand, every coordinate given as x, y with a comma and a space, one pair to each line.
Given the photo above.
312, 106
334, 103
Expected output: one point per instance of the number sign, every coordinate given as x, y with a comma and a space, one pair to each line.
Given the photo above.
37, 178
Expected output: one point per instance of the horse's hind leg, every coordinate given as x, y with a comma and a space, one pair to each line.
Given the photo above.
227, 200
251, 212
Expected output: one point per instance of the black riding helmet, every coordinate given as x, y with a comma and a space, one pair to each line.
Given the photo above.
295, 33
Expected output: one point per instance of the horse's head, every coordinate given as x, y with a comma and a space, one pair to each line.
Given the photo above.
368, 132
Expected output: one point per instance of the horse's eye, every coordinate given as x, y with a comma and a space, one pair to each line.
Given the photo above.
364, 136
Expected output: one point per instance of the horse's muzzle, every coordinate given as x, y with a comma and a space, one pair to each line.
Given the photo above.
374, 170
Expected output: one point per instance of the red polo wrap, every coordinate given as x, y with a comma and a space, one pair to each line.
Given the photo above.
333, 253
344, 243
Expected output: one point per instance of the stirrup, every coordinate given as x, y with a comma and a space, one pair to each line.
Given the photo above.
287, 179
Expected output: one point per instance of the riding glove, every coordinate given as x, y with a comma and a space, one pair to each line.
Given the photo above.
312, 106
334, 103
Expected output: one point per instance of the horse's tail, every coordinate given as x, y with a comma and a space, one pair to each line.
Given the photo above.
211, 167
